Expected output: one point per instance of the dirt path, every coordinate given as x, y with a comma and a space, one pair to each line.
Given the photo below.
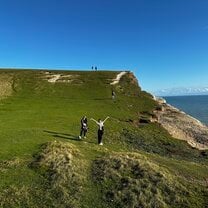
118, 77
54, 78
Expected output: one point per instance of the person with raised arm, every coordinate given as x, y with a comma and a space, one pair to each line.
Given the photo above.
100, 124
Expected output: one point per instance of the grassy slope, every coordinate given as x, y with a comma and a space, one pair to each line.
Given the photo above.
39, 111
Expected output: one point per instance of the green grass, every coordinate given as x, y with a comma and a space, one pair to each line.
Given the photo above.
39, 112
133, 181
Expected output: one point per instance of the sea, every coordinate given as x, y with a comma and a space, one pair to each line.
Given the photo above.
196, 105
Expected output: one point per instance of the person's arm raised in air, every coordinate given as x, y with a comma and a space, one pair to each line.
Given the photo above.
106, 119
92, 119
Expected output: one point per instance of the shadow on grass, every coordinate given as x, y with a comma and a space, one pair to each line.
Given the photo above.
66, 136
62, 135
102, 99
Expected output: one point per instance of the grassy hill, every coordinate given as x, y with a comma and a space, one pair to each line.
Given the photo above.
44, 164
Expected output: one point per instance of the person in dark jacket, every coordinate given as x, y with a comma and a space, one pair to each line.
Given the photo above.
84, 127
113, 95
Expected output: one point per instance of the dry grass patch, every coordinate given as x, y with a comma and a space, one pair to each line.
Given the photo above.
60, 182
130, 181
15, 197
6, 164
57, 162
5, 85
27, 197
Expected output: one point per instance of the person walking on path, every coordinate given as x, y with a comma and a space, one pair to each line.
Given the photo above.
100, 123
113, 95
84, 127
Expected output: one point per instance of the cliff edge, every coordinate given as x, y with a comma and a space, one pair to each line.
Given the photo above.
182, 126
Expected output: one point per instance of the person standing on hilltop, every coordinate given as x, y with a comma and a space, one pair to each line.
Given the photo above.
84, 127
100, 123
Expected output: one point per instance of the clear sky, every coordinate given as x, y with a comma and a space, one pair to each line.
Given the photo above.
164, 42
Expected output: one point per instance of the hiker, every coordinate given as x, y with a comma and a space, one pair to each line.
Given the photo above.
84, 127
113, 94
100, 123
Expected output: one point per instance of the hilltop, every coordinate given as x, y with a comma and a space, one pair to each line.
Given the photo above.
44, 164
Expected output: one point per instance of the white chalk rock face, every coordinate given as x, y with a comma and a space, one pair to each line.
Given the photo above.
118, 77
183, 126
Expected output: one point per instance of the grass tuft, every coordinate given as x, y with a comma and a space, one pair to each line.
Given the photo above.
56, 162
132, 181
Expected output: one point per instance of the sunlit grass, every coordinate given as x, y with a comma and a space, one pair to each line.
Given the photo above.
39, 112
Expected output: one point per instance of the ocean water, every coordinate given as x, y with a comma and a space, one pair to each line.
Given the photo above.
196, 105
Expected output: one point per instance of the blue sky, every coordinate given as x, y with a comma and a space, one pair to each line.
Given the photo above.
164, 42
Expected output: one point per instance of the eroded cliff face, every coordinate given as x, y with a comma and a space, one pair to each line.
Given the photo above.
182, 126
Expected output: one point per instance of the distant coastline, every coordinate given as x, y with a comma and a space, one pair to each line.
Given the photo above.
182, 91
189, 95
194, 105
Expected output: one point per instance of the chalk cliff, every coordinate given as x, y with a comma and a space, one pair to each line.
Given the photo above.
182, 126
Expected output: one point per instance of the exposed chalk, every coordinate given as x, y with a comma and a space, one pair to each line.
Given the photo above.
118, 77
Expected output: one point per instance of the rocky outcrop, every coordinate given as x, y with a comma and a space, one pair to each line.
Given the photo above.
182, 126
